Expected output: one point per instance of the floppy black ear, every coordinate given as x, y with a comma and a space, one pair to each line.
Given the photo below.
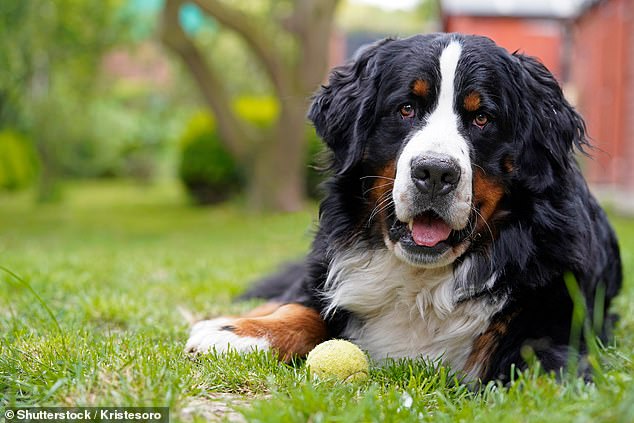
548, 126
343, 110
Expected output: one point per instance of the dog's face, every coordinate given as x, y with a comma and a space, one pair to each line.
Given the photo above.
441, 131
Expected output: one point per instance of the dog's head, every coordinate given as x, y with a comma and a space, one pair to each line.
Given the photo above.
440, 131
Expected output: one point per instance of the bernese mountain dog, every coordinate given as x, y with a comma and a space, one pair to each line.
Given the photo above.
454, 220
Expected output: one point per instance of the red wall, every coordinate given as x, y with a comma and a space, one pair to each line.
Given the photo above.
600, 69
536, 37
603, 70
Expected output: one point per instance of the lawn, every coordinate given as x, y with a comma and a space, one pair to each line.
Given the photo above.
90, 314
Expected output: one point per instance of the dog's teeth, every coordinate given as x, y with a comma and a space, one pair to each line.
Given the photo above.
410, 225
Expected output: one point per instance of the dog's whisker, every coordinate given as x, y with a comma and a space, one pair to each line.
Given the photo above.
492, 264
484, 220
377, 177
382, 204
377, 187
377, 212
382, 201
479, 167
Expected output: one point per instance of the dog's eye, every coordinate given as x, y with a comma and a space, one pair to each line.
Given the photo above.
407, 111
481, 120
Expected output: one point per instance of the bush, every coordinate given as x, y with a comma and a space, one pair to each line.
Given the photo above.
210, 173
18, 161
207, 170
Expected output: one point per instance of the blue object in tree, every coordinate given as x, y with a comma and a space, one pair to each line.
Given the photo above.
192, 19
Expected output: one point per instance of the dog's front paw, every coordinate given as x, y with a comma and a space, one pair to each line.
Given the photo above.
220, 335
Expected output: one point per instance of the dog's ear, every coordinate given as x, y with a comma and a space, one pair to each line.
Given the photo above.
549, 128
343, 110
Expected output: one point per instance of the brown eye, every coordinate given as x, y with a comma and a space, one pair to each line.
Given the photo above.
407, 111
481, 120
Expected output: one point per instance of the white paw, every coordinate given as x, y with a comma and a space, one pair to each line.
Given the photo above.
216, 335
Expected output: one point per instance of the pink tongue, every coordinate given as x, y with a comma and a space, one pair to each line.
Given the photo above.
428, 231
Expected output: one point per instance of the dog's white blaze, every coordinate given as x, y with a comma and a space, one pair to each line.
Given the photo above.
208, 335
404, 311
440, 135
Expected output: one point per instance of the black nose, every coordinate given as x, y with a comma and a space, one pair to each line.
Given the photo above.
435, 175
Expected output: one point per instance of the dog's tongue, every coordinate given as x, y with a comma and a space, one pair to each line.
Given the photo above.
428, 231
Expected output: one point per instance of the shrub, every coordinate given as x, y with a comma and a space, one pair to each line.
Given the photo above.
18, 161
210, 173
207, 170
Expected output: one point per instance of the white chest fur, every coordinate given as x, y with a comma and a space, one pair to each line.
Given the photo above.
403, 311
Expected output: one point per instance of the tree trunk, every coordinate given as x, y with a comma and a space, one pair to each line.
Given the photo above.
278, 168
276, 163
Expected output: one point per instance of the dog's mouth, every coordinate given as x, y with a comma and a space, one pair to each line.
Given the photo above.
428, 230
425, 239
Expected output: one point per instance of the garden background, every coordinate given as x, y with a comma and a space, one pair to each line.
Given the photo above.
132, 194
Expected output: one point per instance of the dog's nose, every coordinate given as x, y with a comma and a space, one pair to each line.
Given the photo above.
435, 175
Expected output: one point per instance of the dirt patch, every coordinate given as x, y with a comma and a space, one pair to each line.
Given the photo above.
215, 408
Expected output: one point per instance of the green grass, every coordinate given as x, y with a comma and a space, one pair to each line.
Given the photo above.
93, 319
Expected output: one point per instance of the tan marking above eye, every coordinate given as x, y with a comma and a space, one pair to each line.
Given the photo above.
472, 101
420, 87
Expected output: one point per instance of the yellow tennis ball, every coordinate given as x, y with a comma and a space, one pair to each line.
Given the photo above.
338, 359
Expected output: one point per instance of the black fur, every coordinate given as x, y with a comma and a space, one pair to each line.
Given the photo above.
548, 224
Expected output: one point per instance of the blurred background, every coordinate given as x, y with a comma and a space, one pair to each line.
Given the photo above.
208, 97
155, 157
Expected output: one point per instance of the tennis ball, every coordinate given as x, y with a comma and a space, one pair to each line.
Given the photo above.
338, 359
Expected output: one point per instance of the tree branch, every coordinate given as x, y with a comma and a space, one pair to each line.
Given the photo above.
236, 133
312, 22
258, 40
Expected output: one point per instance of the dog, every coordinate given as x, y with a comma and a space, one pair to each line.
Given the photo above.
455, 218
